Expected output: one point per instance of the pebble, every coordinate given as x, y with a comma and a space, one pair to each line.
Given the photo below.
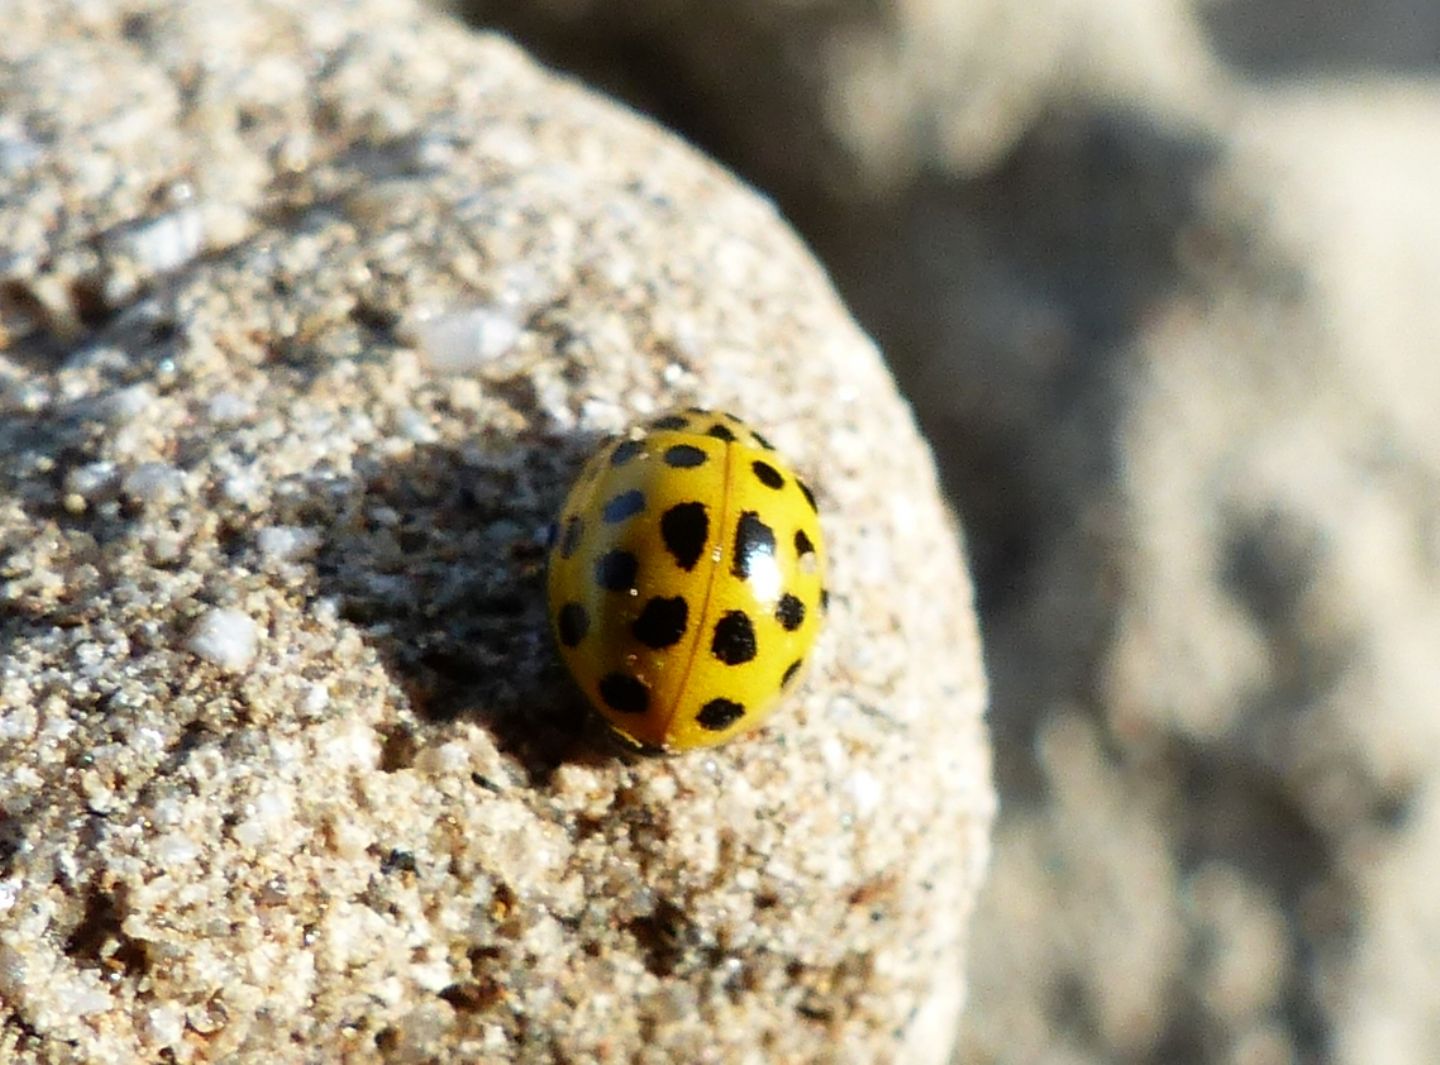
226, 638
460, 342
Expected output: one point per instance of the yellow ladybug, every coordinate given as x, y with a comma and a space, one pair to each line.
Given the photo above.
686, 580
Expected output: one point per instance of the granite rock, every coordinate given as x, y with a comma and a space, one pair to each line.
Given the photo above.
1172, 334
307, 315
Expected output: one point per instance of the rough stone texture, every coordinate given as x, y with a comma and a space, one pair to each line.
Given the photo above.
1177, 359
288, 771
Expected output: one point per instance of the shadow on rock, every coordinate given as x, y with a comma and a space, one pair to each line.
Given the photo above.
440, 560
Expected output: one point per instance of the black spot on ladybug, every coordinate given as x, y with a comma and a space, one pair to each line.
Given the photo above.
790, 671
720, 432
571, 540
803, 546
753, 540
762, 441
719, 714
809, 495
624, 693
825, 600
670, 421
625, 451
573, 624
615, 571
684, 457
685, 528
790, 612
768, 475
734, 639
625, 505
662, 622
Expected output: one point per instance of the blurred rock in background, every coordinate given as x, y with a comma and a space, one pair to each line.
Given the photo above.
1281, 38
1160, 280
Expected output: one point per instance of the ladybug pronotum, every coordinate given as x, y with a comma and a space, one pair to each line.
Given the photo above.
686, 580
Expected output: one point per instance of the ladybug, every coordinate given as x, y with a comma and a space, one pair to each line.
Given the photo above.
686, 580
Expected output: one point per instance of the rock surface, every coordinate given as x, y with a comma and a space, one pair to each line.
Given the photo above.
1173, 336
309, 312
